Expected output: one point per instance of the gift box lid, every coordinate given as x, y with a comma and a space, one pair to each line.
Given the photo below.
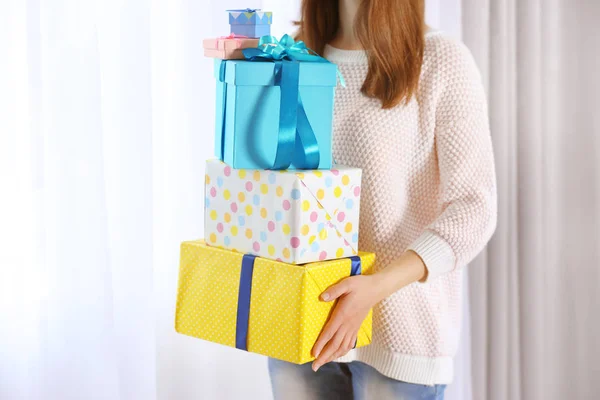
250, 17
256, 73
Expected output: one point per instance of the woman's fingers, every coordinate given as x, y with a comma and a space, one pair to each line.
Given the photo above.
347, 345
330, 349
338, 335
326, 334
337, 290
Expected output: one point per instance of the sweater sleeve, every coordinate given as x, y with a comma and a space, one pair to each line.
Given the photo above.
468, 202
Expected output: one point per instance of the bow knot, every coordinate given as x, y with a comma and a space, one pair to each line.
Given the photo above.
271, 49
245, 10
234, 37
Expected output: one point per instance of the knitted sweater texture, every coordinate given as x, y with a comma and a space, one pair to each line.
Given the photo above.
428, 185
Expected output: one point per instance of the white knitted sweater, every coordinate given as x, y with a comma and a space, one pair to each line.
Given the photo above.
428, 185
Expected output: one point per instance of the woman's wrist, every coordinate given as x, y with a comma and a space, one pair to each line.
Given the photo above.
407, 269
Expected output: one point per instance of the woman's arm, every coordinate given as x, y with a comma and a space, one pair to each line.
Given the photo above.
467, 216
468, 201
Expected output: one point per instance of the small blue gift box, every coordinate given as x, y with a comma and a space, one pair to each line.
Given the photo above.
250, 23
250, 124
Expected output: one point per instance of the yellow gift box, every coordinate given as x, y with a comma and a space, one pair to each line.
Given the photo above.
284, 316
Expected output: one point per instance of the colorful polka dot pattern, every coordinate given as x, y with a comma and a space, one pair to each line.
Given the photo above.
286, 315
296, 217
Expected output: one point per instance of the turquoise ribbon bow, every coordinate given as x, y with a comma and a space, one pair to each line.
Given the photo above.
293, 122
271, 49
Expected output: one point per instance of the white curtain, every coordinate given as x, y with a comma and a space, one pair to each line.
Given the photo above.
535, 296
106, 118
77, 305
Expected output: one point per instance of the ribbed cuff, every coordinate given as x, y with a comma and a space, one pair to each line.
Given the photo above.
436, 253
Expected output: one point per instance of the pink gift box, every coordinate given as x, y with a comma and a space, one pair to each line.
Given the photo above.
227, 48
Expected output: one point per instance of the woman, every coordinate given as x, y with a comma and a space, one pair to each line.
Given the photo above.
413, 116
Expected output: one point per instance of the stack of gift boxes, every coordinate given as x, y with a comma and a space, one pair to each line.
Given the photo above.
281, 222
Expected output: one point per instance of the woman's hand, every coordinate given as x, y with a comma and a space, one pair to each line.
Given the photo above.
357, 295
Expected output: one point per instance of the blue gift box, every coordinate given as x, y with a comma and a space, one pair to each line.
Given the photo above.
248, 112
250, 23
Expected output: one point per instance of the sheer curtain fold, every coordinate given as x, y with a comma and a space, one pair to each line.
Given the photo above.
535, 289
107, 111
81, 275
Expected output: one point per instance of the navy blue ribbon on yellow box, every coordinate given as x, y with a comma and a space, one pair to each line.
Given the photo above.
293, 122
245, 294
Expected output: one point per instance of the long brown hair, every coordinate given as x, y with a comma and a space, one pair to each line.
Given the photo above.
393, 33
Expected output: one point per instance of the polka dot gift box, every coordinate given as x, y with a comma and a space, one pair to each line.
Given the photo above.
291, 216
272, 309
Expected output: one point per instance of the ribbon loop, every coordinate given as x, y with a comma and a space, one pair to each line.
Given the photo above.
284, 51
288, 115
221, 119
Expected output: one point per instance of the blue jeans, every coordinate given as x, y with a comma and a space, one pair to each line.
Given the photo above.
341, 381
